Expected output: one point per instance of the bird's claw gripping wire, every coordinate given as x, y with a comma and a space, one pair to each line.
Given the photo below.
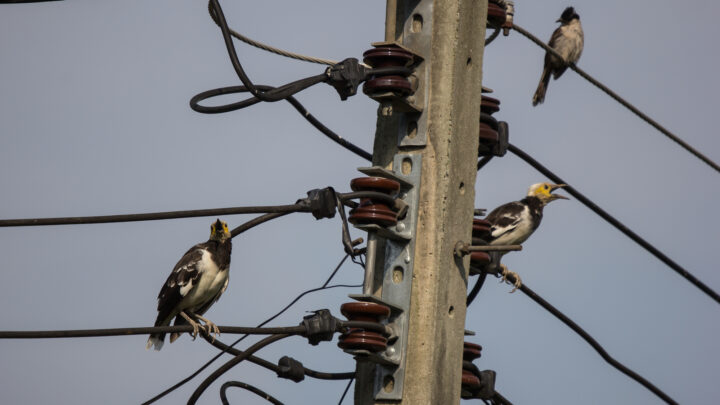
505, 273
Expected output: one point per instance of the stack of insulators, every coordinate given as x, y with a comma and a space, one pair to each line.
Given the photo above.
388, 56
361, 339
374, 211
496, 13
489, 136
470, 379
480, 235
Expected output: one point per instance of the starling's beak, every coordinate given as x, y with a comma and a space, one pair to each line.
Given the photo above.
557, 196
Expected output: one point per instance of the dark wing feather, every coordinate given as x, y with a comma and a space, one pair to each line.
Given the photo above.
504, 218
185, 271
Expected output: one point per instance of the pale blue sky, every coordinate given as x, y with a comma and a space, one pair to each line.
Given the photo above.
94, 119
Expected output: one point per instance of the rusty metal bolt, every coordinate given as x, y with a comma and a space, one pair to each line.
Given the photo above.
372, 211
360, 339
388, 56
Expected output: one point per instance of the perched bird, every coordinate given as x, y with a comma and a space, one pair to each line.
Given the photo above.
514, 222
567, 40
196, 282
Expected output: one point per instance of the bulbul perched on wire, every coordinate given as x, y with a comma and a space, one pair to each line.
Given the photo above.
567, 40
196, 282
514, 222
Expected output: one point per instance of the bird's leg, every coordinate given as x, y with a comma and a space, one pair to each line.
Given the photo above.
210, 326
505, 273
191, 321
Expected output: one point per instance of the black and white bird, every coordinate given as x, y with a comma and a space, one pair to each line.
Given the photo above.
514, 222
567, 40
196, 282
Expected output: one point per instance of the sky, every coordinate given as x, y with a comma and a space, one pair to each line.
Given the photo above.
94, 120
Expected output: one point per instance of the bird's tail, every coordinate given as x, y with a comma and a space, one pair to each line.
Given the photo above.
539, 96
156, 340
175, 335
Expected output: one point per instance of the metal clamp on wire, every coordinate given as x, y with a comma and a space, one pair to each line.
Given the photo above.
321, 202
320, 326
290, 369
346, 77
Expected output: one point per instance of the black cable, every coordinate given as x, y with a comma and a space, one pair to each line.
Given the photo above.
620, 100
255, 222
254, 390
320, 375
347, 388
271, 95
217, 356
153, 216
591, 341
232, 363
48, 334
482, 162
476, 289
617, 224
194, 104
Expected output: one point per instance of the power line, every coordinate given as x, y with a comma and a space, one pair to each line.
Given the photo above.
269, 48
620, 100
253, 389
592, 342
617, 224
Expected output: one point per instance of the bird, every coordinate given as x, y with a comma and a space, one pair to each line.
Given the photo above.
567, 40
513, 223
196, 282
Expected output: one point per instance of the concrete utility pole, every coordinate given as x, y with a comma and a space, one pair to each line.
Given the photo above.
449, 36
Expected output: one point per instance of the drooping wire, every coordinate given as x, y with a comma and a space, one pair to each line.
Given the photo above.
269, 48
253, 389
217, 356
78, 333
232, 363
591, 341
194, 104
617, 224
620, 100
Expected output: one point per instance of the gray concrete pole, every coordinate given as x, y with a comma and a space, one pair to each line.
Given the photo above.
447, 138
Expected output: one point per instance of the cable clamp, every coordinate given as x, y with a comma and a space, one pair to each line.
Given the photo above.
320, 326
290, 369
346, 77
320, 202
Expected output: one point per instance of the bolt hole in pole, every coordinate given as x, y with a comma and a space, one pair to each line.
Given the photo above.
412, 129
406, 166
388, 383
462, 188
451, 311
398, 274
417, 24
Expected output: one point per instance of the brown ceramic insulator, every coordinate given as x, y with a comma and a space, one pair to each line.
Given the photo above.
489, 105
360, 339
496, 14
479, 259
372, 211
388, 56
481, 228
471, 351
470, 380
488, 134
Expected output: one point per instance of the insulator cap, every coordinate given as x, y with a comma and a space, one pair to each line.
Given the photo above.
496, 13
388, 56
360, 339
373, 211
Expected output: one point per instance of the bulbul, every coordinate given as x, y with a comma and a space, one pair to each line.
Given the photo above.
567, 40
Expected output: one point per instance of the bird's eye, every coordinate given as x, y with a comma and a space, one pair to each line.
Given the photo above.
546, 187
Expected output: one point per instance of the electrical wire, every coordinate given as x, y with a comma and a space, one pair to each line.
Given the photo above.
254, 390
619, 99
269, 48
232, 363
347, 388
476, 288
591, 341
154, 216
617, 224
217, 356
77, 333
194, 104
